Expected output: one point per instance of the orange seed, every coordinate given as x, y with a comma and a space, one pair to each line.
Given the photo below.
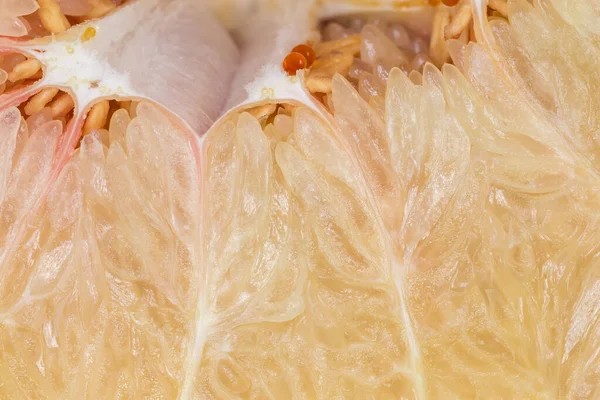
307, 52
294, 62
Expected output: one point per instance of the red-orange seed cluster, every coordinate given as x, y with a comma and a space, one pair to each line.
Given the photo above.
301, 57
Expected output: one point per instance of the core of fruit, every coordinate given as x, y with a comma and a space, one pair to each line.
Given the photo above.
330, 200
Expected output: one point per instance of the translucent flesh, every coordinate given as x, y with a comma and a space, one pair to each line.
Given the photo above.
103, 282
12, 26
17, 8
441, 246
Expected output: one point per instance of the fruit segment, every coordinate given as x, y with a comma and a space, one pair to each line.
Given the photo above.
98, 260
318, 314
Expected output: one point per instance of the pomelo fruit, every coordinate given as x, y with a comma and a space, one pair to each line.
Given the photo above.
409, 213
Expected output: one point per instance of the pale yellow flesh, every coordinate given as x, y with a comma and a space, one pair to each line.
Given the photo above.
445, 248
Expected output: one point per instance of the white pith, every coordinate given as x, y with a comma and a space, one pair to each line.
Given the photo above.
73, 65
76, 63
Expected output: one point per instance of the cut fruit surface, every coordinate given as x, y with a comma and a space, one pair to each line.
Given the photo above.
409, 229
